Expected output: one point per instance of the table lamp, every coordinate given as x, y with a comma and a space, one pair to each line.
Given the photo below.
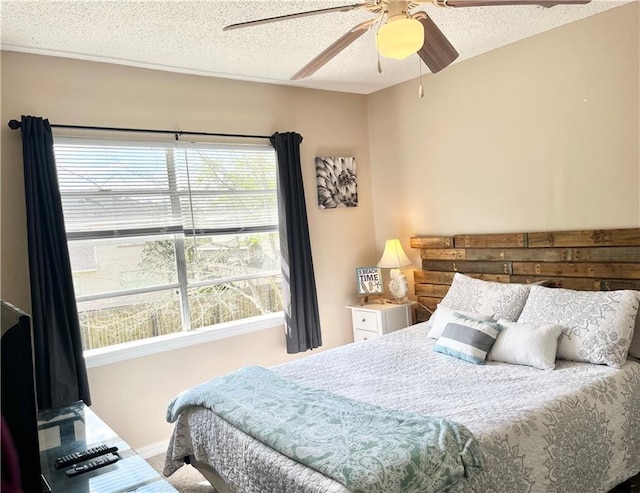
393, 258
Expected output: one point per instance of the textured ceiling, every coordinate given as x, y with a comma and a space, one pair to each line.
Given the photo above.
186, 36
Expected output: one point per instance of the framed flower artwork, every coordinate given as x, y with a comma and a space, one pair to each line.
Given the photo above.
336, 181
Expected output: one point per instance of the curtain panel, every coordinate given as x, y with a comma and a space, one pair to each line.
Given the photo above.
300, 301
61, 375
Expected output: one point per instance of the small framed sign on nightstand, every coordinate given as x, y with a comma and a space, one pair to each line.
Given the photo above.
369, 280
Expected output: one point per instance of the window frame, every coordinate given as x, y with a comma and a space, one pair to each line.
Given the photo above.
153, 345
187, 336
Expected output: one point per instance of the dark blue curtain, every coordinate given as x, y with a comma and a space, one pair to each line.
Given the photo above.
302, 320
61, 375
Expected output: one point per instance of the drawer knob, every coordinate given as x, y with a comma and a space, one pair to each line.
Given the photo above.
364, 320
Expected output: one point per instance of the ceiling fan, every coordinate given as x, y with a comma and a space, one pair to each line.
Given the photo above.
400, 33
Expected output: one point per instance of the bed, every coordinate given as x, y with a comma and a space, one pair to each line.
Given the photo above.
575, 428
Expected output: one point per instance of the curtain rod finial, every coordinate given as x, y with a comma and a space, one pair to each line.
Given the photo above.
14, 124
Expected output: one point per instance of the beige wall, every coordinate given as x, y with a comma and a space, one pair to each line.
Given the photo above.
539, 135
132, 396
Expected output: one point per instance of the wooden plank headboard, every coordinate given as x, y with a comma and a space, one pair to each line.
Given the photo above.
595, 260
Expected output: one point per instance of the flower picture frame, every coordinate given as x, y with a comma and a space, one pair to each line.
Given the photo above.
336, 182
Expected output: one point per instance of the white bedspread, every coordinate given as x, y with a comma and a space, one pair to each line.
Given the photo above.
572, 429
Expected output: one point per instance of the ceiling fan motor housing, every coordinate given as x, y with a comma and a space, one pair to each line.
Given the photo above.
397, 9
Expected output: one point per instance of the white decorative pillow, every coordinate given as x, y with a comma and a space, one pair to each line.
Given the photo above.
634, 349
478, 296
443, 315
467, 339
598, 325
527, 344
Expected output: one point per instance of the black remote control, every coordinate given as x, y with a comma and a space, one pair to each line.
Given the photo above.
69, 460
92, 465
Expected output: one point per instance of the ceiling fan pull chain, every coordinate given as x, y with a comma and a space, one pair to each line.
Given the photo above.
421, 88
378, 51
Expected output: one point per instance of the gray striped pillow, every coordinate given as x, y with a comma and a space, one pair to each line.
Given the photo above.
467, 339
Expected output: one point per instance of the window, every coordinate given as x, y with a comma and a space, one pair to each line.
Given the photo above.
165, 238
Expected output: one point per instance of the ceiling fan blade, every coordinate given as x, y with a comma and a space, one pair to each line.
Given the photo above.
496, 3
335, 48
436, 52
342, 8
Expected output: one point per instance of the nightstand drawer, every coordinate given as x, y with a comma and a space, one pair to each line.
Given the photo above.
365, 320
363, 335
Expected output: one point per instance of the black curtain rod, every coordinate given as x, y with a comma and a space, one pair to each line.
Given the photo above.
15, 124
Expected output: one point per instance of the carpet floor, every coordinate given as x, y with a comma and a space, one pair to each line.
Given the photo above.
188, 480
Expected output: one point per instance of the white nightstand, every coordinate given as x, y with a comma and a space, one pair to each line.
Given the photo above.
374, 320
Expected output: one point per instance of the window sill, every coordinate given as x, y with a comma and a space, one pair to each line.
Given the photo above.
129, 350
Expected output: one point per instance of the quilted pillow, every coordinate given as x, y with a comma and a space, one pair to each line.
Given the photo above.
634, 349
467, 339
527, 344
443, 315
478, 296
598, 325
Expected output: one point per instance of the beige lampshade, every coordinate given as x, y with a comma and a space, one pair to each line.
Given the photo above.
399, 38
393, 255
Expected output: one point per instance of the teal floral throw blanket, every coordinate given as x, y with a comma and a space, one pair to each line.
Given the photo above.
367, 448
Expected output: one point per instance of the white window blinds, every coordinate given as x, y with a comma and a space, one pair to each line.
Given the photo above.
227, 189
112, 189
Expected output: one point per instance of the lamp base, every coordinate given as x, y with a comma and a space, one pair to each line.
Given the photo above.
398, 286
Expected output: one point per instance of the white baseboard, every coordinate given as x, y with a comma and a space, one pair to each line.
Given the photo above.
153, 449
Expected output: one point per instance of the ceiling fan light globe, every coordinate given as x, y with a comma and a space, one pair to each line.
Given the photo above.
400, 38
